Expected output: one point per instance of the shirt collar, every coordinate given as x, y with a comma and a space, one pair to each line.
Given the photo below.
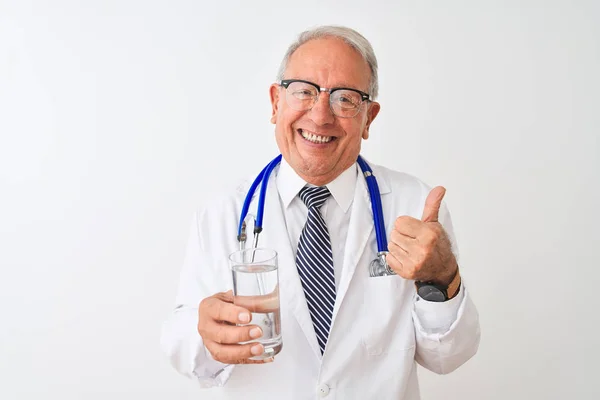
341, 188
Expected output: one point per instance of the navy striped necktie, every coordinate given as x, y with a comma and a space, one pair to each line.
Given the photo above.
314, 261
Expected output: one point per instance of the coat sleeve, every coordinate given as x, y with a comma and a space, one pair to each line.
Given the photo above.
180, 340
447, 333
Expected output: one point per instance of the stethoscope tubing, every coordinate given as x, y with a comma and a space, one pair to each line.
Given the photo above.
263, 178
374, 194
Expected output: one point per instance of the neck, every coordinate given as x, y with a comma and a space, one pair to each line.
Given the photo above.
317, 180
323, 179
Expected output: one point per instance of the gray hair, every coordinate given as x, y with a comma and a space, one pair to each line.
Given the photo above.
354, 39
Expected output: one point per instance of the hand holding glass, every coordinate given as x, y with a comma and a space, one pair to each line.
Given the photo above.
256, 288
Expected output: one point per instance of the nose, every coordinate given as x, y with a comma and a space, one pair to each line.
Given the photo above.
321, 113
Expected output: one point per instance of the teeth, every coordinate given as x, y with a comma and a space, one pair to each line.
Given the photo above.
314, 138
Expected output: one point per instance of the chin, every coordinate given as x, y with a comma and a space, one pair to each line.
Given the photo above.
316, 165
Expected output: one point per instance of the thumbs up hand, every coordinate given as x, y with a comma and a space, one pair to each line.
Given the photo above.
420, 249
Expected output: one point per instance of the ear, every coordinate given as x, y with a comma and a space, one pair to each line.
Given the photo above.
372, 112
274, 91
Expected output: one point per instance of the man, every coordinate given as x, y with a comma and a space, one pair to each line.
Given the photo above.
377, 328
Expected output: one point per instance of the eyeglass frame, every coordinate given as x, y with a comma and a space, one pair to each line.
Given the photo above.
364, 96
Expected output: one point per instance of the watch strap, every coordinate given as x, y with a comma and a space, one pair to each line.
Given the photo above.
454, 286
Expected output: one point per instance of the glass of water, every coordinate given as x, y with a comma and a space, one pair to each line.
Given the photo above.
256, 288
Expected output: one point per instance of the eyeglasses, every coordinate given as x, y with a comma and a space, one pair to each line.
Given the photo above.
303, 95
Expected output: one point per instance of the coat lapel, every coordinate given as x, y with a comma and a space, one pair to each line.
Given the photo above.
360, 231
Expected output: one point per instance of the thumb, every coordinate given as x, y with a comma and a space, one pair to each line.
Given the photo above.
433, 203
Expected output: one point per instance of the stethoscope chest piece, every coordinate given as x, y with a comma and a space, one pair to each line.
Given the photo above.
379, 266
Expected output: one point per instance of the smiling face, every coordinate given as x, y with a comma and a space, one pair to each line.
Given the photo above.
318, 145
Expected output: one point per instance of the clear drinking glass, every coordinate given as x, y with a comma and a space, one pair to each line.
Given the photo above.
256, 288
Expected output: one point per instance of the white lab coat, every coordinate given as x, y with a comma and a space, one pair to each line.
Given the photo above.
376, 336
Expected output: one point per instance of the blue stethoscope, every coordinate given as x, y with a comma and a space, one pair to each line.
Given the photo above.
378, 267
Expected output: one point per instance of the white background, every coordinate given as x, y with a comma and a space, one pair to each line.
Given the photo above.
118, 118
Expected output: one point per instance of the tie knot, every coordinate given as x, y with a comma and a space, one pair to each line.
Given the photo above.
314, 196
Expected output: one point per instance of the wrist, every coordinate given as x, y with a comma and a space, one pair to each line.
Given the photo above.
447, 278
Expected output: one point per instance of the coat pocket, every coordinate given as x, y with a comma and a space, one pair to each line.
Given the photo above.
387, 309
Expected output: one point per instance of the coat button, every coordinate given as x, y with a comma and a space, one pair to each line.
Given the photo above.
322, 390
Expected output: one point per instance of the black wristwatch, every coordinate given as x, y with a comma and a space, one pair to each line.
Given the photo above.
430, 291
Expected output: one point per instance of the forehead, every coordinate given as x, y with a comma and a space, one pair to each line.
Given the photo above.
329, 62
